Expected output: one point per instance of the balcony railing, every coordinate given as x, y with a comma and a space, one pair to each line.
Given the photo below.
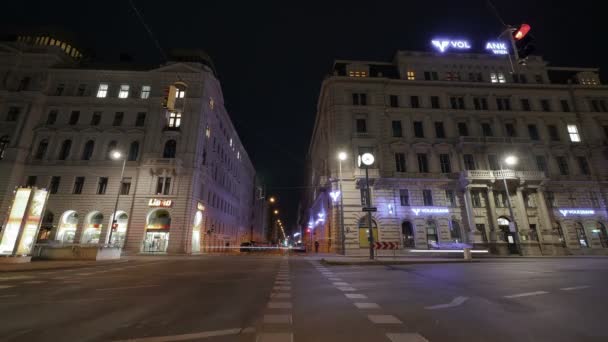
500, 174
494, 140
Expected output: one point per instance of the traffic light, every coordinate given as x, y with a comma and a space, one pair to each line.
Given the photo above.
524, 42
169, 97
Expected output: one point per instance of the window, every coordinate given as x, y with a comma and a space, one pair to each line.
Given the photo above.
64, 152
400, 162
510, 130
163, 186
493, 77
550, 199
533, 132
503, 103
501, 78
4, 140
418, 129
573, 133
525, 105
435, 102
565, 105
411, 75
562, 164
427, 197
175, 119
78, 185
397, 129
31, 181
52, 117
111, 147
87, 152
404, 197
24, 84
545, 105
493, 162
54, 185
81, 89
13, 114
96, 118
133, 151
363, 193
41, 150
359, 99
486, 129
457, 102
59, 90
497, 77
427, 75
102, 185
583, 165
423, 164
541, 163
476, 198
450, 198
463, 130
444, 161
145, 92
140, 120
74, 117
439, 131
480, 103
469, 162
102, 91
414, 102
476, 103
123, 93
125, 186
481, 228
581, 235
118, 117
180, 93
170, 149
434, 76
361, 125
394, 101
538, 78
553, 133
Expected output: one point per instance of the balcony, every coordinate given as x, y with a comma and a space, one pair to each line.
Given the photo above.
494, 140
493, 175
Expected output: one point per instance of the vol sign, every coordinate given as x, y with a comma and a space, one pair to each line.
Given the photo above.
444, 44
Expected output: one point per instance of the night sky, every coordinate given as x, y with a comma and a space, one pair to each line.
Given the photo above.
272, 56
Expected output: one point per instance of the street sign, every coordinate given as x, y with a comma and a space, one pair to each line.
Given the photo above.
372, 209
386, 245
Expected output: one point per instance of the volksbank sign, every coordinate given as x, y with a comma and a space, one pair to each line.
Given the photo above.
443, 45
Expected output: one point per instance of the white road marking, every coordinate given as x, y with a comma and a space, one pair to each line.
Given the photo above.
280, 295
526, 294
277, 319
406, 337
334, 279
274, 337
355, 296
279, 305
575, 288
184, 337
282, 282
341, 283
455, 302
17, 277
282, 288
6, 286
126, 287
34, 282
384, 319
84, 274
367, 305
346, 288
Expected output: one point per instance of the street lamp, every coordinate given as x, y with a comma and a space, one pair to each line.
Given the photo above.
341, 157
117, 155
510, 160
367, 159
272, 199
276, 211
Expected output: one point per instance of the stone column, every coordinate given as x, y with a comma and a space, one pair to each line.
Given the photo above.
545, 218
520, 207
468, 203
493, 217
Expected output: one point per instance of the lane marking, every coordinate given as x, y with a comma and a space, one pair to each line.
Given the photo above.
278, 319
455, 302
282, 288
126, 287
406, 337
274, 337
280, 295
346, 288
18, 277
334, 279
575, 288
355, 296
279, 305
185, 337
34, 282
84, 274
526, 294
367, 305
341, 283
384, 319
6, 286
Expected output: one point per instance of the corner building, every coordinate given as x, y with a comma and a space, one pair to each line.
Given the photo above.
440, 127
188, 183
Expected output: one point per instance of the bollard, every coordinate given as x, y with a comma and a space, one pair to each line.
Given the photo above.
467, 254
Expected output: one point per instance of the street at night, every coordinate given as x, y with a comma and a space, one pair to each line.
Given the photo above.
275, 298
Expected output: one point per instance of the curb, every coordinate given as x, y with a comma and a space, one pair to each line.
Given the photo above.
395, 262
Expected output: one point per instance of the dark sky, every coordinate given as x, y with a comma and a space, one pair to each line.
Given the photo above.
271, 56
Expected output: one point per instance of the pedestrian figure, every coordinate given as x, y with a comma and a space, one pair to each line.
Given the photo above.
316, 246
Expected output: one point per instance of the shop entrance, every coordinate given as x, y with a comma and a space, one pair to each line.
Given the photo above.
92, 228
407, 232
508, 236
67, 227
432, 238
156, 241
158, 225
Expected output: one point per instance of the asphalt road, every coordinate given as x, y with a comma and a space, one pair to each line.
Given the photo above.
280, 299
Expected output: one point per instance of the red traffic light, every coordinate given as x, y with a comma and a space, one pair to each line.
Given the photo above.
308, 230
522, 31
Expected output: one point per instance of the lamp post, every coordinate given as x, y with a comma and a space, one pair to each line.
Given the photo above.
341, 157
367, 159
510, 160
117, 155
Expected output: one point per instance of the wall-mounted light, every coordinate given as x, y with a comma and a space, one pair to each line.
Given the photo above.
335, 195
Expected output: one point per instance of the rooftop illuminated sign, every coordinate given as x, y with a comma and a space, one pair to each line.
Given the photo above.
444, 44
497, 48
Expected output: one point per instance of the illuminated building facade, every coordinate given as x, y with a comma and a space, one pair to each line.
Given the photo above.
440, 126
188, 183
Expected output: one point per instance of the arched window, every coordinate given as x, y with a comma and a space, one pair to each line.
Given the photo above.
560, 232
3, 145
432, 239
111, 147
66, 146
87, 152
133, 151
159, 219
170, 147
581, 235
407, 232
602, 234
41, 150
455, 231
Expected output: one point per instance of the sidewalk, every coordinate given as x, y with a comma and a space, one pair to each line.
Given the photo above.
39, 265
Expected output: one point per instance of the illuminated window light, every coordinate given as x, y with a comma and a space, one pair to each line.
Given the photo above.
102, 91
411, 76
573, 133
123, 93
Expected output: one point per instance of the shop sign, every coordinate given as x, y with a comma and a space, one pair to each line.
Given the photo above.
566, 212
430, 210
200, 206
164, 203
497, 48
444, 44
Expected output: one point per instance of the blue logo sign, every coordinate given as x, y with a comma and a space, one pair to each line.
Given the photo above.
444, 44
